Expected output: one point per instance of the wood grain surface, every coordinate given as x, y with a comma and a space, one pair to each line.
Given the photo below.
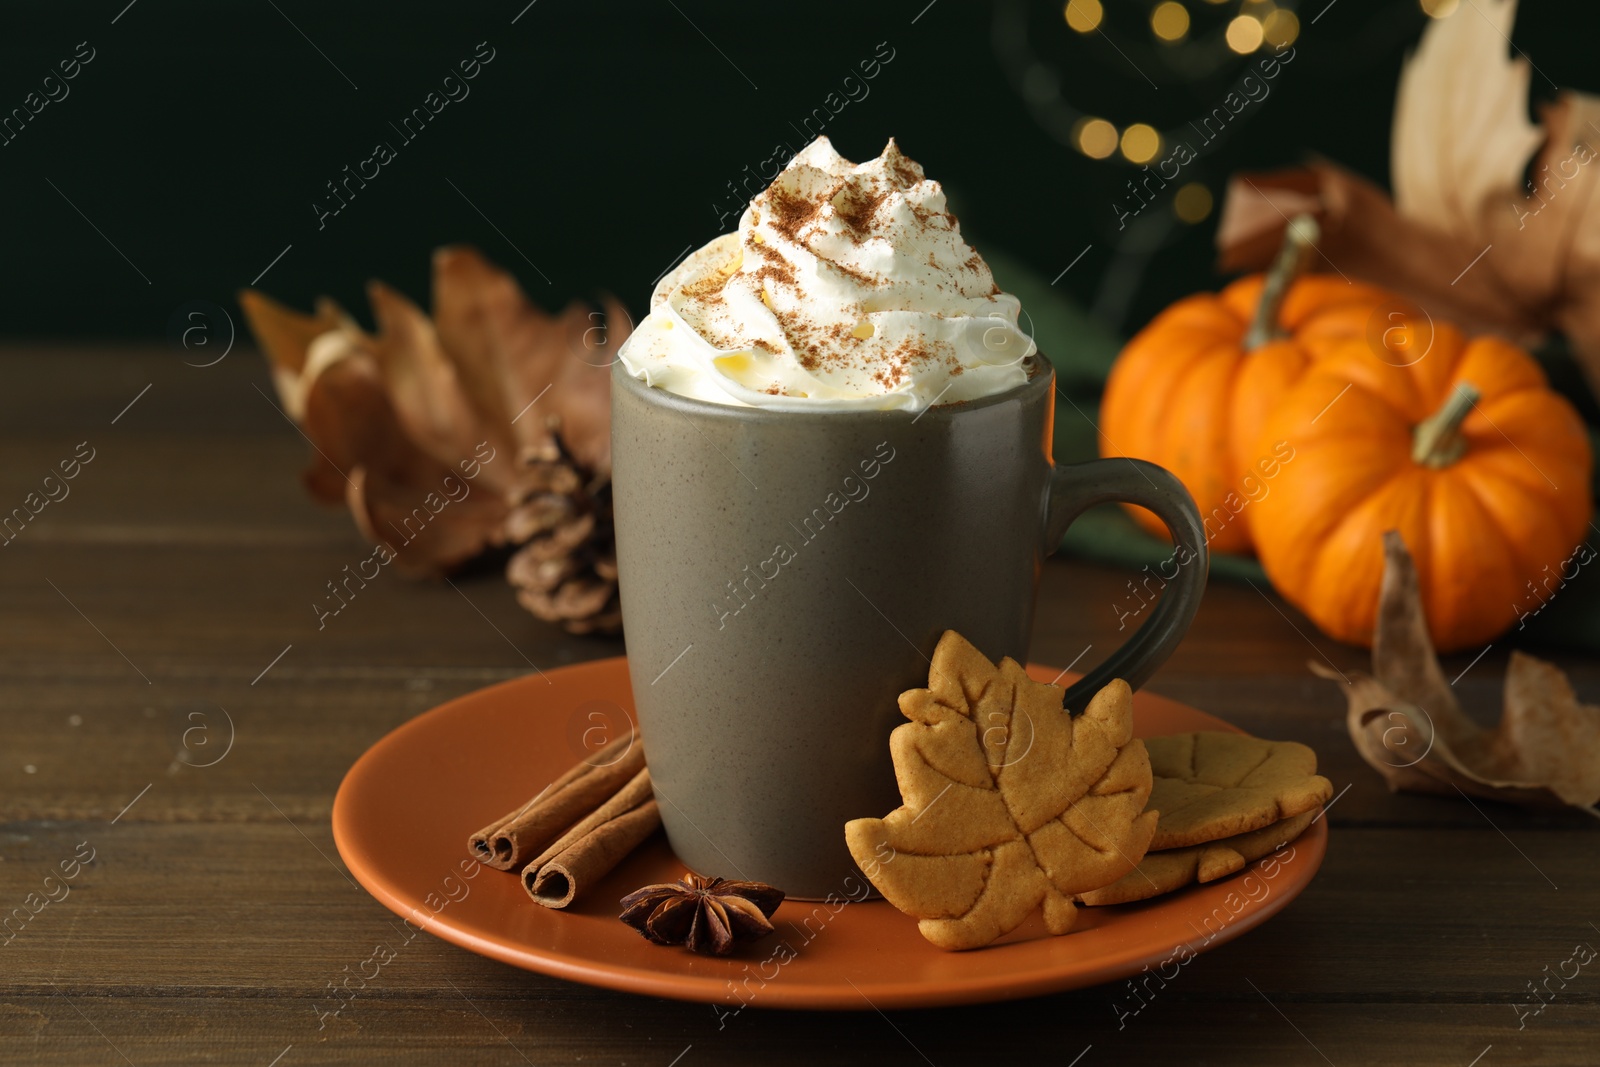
171, 593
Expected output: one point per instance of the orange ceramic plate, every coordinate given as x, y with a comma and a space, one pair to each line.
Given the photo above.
404, 812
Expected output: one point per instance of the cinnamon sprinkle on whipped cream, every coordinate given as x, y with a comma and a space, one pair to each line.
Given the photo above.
845, 286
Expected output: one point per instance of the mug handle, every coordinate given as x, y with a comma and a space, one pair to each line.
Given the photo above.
1077, 487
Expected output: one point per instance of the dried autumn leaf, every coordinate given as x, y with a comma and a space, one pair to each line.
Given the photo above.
514, 355
1009, 800
366, 454
286, 337
486, 425
1461, 146
1407, 724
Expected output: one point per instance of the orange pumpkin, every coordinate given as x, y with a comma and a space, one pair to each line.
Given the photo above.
1466, 452
1193, 388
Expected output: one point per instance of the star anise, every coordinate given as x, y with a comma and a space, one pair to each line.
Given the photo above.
706, 915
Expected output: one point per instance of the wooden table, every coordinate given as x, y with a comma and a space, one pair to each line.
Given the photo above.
171, 592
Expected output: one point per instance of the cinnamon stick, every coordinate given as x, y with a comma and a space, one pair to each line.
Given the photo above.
509, 841
594, 846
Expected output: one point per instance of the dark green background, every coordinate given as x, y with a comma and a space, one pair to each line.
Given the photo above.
602, 135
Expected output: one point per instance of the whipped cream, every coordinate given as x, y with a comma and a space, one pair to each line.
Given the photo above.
846, 286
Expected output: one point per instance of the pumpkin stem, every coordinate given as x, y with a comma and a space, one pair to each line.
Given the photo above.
1299, 238
1437, 440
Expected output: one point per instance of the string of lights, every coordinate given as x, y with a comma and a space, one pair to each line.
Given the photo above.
1182, 43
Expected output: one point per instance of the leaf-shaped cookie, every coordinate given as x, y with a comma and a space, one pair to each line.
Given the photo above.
1009, 800
1165, 872
1210, 785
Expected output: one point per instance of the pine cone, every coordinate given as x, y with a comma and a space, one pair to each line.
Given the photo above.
566, 569
486, 426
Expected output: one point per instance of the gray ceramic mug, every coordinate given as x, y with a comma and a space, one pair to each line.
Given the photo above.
785, 575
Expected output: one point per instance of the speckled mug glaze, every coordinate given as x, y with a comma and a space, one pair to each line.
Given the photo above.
785, 575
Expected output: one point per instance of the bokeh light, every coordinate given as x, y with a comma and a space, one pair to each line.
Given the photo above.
1245, 34
1281, 28
1170, 20
1096, 138
1084, 15
1192, 203
1140, 143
